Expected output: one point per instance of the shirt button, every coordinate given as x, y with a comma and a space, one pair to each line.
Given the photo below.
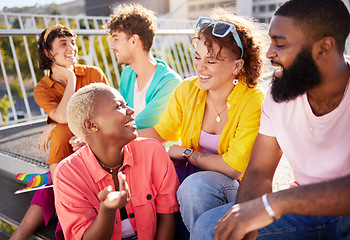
131, 215
122, 169
149, 197
228, 105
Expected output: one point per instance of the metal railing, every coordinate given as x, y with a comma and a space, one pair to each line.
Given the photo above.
18, 55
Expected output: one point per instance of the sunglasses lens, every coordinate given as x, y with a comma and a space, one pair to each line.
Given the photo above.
221, 29
203, 23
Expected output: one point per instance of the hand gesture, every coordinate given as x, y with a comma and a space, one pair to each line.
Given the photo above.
115, 199
76, 143
43, 141
242, 221
62, 74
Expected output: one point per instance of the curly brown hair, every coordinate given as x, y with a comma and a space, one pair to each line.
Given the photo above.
45, 43
134, 19
252, 39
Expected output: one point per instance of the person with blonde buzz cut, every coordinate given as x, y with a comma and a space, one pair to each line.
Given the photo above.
117, 186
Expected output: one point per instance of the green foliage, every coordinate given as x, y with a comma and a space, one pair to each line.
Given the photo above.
6, 229
16, 90
4, 107
21, 55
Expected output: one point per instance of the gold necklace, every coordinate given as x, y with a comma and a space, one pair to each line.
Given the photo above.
335, 113
110, 168
218, 118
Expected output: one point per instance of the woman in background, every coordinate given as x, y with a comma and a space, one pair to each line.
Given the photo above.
58, 54
216, 115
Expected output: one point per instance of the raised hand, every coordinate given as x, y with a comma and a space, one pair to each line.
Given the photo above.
115, 199
62, 74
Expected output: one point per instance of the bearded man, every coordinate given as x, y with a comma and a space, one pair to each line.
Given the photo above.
306, 117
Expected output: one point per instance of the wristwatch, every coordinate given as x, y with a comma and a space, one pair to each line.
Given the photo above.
187, 153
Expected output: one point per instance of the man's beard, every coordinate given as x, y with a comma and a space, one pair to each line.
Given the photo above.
301, 76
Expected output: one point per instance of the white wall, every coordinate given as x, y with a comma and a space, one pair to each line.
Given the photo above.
245, 7
178, 9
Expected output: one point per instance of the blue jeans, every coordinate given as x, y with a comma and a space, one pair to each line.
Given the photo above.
288, 227
202, 191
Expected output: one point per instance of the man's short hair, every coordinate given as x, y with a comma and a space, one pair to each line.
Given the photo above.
134, 19
319, 19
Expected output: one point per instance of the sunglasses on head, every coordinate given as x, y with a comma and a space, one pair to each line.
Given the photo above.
220, 29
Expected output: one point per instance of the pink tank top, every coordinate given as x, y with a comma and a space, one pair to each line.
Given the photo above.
209, 143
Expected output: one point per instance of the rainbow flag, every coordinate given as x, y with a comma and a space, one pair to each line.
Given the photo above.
35, 181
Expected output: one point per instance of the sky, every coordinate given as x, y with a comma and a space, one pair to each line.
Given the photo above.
26, 3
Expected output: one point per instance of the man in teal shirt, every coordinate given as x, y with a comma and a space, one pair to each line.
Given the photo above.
147, 83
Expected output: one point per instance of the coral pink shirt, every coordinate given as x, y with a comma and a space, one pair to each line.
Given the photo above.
150, 175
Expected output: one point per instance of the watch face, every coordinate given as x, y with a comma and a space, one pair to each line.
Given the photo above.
187, 151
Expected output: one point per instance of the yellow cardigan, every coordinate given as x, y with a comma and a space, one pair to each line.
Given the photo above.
184, 114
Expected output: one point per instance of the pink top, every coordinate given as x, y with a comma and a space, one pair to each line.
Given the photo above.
150, 175
317, 148
209, 143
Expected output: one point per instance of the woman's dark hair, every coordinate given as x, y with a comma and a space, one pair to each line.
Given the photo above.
45, 43
252, 39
